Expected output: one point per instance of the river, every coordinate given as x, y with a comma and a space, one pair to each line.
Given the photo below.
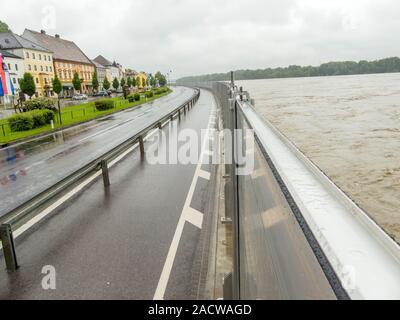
349, 126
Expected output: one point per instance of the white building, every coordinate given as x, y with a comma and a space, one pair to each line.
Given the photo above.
15, 66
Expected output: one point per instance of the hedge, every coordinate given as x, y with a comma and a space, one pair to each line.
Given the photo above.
104, 104
40, 103
30, 120
149, 94
137, 96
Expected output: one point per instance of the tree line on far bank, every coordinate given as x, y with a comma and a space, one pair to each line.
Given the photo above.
388, 65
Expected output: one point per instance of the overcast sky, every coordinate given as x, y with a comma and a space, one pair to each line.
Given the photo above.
205, 36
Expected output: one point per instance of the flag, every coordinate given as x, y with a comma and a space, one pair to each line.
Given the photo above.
8, 87
1, 88
3, 79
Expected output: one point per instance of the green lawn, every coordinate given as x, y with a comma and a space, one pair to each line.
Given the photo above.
72, 115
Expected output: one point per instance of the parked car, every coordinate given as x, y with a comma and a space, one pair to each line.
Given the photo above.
79, 97
101, 94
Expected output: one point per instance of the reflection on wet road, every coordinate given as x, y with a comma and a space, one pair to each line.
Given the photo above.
28, 168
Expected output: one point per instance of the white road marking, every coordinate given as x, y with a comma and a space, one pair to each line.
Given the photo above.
204, 174
188, 215
195, 217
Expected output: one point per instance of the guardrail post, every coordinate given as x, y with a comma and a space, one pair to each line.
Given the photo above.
179, 114
171, 117
106, 176
184, 110
159, 125
7, 240
141, 145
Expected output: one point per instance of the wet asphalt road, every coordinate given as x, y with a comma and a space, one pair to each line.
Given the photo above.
112, 244
29, 168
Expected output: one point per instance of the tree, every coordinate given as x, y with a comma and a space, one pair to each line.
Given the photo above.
4, 27
123, 82
153, 82
138, 82
57, 88
106, 84
129, 82
27, 84
76, 81
115, 83
143, 82
95, 82
162, 80
133, 82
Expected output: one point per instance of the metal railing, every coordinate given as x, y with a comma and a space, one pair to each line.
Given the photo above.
19, 216
356, 257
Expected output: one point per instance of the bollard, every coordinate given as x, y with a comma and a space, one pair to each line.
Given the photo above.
7, 240
141, 145
52, 124
106, 177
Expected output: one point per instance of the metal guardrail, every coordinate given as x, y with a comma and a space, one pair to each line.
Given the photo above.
357, 257
19, 216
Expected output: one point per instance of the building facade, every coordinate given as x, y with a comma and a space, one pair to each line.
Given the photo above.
113, 69
37, 60
68, 59
140, 77
101, 74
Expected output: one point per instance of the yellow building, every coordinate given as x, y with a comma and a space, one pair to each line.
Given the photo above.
140, 76
38, 61
68, 60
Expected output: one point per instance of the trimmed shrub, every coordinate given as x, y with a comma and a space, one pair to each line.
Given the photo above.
137, 96
131, 98
21, 122
30, 120
104, 104
41, 117
149, 94
40, 103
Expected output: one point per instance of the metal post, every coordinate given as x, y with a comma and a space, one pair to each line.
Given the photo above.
141, 145
179, 114
59, 110
7, 240
160, 125
171, 117
106, 177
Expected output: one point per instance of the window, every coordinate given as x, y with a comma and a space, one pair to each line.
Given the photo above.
41, 68
45, 80
29, 67
47, 69
45, 58
51, 69
9, 66
37, 80
40, 56
27, 55
33, 56
16, 67
35, 67
49, 58
14, 81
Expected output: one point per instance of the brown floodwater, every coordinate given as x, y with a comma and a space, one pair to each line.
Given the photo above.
349, 126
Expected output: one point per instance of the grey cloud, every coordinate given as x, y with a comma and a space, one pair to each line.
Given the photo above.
195, 37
